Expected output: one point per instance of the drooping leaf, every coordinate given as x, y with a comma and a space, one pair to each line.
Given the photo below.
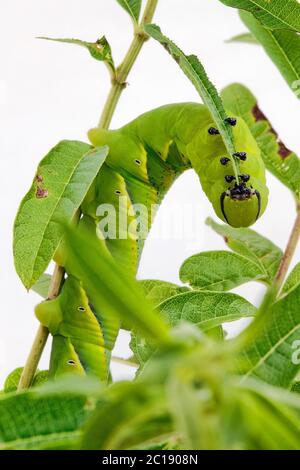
281, 46
196, 73
133, 8
41, 287
274, 14
292, 281
269, 356
279, 160
219, 271
252, 245
99, 50
60, 185
112, 292
158, 291
247, 38
31, 422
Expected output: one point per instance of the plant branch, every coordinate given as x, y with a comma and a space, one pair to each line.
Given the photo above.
119, 83
124, 362
289, 253
41, 336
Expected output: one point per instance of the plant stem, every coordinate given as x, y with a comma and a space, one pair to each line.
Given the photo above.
119, 80
125, 362
289, 252
118, 85
41, 335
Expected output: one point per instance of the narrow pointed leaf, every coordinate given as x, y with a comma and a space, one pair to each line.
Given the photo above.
60, 185
279, 160
196, 73
274, 14
219, 271
99, 50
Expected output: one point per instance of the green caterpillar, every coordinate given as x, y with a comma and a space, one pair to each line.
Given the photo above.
145, 158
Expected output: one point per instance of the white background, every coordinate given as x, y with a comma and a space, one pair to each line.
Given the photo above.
51, 91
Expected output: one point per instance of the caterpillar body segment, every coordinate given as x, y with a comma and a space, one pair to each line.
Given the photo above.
167, 141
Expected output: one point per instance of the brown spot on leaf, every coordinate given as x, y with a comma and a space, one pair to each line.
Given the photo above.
258, 115
284, 152
41, 193
226, 239
39, 178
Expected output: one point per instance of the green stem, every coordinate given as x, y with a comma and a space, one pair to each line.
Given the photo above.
289, 253
119, 80
124, 362
118, 85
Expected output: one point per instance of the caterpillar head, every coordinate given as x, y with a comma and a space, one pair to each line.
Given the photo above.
241, 205
237, 202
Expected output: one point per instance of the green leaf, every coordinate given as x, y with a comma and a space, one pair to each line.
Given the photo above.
99, 50
28, 421
112, 292
133, 7
219, 271
60, 185
270, 421
195, 71
281, 46
274, 14
292, 281
41, 287
253, 246
131, 413
247, 38
279, 160
269, 356
12, 380
205, 309
158, 291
